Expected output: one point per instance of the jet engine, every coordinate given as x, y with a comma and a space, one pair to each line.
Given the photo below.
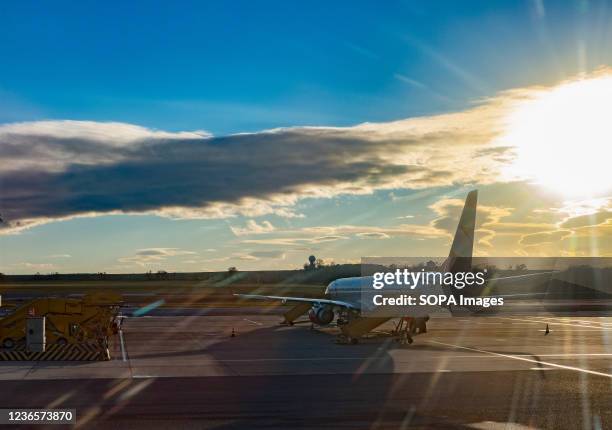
321, 315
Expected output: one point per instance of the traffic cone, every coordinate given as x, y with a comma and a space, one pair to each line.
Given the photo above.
547, 330
233, 332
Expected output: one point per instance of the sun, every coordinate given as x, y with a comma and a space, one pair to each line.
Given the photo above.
563, 137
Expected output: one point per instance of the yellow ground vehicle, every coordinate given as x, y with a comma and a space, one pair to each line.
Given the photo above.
90, 319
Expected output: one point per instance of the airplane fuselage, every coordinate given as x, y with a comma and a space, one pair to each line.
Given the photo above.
359, 293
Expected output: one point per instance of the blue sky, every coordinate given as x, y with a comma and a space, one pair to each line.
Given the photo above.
230, 67
233, 67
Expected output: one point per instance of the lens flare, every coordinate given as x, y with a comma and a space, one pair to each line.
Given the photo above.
563, 138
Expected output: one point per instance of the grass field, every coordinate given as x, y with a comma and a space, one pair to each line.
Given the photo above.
174, 293
198, 289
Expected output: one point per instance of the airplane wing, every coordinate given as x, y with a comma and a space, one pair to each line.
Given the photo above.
298, 300
518, 281
526, 276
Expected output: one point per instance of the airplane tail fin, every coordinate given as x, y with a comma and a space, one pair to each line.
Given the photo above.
460, 256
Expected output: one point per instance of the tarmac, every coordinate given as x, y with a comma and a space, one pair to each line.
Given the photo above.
186, 370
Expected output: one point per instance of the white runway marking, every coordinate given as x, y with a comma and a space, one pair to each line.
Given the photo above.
546, 321
248, 360
252, 322
529, 360
491, 425
122, 345
485, 354
577, 354
582, 321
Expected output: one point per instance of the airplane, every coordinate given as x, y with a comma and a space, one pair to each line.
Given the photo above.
343, 298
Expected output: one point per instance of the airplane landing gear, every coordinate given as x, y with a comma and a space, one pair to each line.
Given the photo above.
405, 339
408, 327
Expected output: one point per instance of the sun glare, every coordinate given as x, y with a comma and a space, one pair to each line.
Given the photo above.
563, 138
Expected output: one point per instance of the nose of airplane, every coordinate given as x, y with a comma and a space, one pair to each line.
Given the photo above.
330, 291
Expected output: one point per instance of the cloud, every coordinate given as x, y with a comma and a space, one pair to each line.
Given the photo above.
146, 256
162, 252
55, 146
253, 228
588, 220
583, 227
56, 170
449, 211
407, 80
248, 256
373, 235
585, 213
323, 234
446, 210
268, 254
491, 222
295, 239
35, 266
544, 237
